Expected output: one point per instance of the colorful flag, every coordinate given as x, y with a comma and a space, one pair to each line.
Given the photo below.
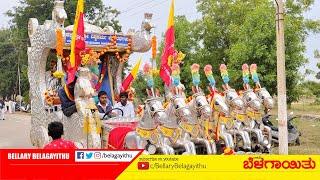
77, 42
168, 50
133, 74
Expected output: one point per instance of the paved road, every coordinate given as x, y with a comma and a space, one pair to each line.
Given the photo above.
14, 131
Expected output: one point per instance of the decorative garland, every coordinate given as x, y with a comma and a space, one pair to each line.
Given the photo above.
59, 48
125, 56
154, 47
60, 42
113, 46
89, 57
195, 74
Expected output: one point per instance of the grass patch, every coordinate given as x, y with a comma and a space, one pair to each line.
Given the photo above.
310, 138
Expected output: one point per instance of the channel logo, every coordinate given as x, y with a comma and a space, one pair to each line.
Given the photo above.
84, 155
143, 165
80, 155
105, 156
89, 155
97, 155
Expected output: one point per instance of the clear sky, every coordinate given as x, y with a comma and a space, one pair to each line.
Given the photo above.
132, 14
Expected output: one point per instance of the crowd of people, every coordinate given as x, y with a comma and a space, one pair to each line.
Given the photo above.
7, 106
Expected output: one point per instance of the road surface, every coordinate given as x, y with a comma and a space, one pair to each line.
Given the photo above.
15, 130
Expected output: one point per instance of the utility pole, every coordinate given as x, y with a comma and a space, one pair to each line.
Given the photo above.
281, 80
20, 97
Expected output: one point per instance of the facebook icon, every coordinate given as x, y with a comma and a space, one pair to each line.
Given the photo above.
80, 155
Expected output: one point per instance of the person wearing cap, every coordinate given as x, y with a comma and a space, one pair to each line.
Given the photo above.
125, 105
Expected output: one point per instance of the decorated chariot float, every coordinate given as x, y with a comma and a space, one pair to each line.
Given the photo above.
217, 123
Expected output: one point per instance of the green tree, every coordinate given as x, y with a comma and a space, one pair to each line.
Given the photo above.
7, 82
140, 85
14, 41
243, 31
95, 12
314, 88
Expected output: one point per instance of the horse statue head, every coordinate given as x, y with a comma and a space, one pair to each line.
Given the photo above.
251, 100
265, 97
249, 97
231, 96
201, 105
154, 113
181, 109
199, 101
262, 93
59, 14
153, 105
219, 104
233, 100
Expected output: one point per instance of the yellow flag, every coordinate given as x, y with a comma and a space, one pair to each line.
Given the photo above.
79, 11
171, 15
135, 69
129, 79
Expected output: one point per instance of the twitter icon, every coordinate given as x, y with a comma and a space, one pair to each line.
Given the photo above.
89, 155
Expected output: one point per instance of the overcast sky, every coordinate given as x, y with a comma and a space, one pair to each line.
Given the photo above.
132, 14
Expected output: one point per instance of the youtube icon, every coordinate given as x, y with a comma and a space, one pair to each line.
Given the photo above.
143, 165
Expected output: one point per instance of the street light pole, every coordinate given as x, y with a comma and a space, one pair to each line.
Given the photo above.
281, 80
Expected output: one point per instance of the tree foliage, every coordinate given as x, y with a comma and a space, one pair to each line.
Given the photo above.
14, 41
243, 31
312, 88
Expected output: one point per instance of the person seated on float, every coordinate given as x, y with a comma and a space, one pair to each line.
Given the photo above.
52, 83
125, 105
104, 104
55, 130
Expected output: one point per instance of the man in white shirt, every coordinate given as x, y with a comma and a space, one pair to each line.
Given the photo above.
10, 106
125, 105
2, 107
103, 105
52, 83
